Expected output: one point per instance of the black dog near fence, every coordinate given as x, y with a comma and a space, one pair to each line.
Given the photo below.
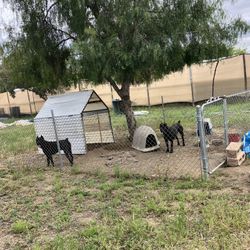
50, 148
170, 133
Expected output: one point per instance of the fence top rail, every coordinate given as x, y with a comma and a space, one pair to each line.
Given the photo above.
239, 93
211, 101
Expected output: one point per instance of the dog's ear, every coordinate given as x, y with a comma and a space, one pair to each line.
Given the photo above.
179, 122
42, 137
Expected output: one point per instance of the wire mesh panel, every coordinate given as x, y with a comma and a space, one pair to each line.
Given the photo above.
186, 156
99, 142
67, 127
63, 135
145, 154
213, 121
238, 107
97, 126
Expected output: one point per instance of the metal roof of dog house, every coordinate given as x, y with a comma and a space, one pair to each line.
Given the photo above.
80, 116
145, 135
66, 104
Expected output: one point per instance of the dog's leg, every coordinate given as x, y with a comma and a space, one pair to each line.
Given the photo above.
171, 149
166, 141
51, 160
70, 158
182, 137
178, 142
48, 161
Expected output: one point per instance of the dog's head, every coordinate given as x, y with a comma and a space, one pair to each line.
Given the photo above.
39, 140
163, 127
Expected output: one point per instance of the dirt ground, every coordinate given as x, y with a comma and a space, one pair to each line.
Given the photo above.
184, 162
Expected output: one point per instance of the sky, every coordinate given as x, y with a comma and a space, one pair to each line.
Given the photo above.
234, 8
240, 8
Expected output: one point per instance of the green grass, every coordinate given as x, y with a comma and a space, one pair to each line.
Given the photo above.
43, 208
80, 211
20, 226
16, 140
12, 119
173, 113
187, 115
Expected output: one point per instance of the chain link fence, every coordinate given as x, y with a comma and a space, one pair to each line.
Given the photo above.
238, 114
213, 123
98, 141
221, 121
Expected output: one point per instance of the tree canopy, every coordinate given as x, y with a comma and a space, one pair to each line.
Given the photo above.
119, 42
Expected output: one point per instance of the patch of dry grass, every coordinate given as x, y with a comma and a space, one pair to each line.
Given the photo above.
49, 209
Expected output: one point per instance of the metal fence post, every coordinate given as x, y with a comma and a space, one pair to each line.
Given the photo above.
203, 148
163, 109
225, 120
57, 140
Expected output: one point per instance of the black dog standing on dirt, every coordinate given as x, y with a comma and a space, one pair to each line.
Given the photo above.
170, 133
50, 148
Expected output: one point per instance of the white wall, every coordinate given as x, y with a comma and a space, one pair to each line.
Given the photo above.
67, 127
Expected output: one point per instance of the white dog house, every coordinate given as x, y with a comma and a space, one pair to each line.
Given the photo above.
82, 117
145, 139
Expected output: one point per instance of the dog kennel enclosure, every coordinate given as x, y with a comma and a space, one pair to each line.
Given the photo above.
145, 139
82, 117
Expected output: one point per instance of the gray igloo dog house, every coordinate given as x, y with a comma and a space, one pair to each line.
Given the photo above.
145, 139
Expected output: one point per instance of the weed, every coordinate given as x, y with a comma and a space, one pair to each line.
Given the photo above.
98, 173
40, 175
63, 243
75, 170
189, 183
155, 207
20, 226
79, 192
121, 174
178, 226
62, 219
58, 184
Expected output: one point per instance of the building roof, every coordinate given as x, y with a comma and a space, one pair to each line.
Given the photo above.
66, 104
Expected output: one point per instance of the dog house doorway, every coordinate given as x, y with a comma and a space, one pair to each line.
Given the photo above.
97, 127
145, 139
96, 122
151, 141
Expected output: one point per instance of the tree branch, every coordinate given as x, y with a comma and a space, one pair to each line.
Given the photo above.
114, 85
49, 9
64, 32
215, 70
63, 41
70, 36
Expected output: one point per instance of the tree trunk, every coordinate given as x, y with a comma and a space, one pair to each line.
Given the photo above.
124, 93
131, 122
128, 110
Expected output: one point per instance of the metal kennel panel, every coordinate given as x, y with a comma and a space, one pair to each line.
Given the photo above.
213, 134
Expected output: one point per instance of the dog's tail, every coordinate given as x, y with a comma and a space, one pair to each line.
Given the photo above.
179, 122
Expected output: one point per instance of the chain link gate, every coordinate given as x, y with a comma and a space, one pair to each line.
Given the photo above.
230, 119
212, 126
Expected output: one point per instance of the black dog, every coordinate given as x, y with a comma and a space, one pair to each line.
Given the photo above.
170, 133
50, 148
